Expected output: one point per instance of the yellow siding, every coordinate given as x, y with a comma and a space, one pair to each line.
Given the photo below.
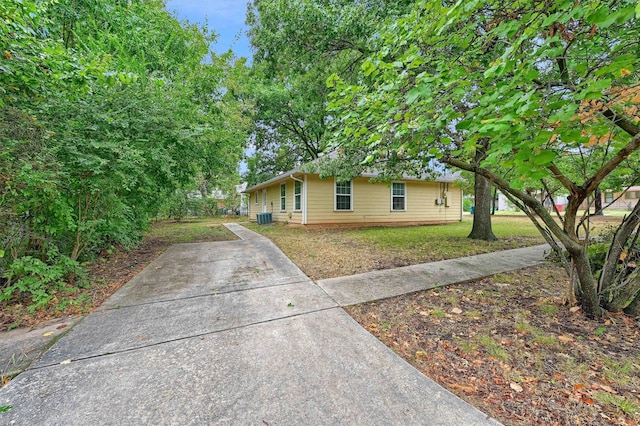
372, 203
273, 203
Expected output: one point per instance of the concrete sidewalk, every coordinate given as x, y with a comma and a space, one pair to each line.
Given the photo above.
386, 283
230, 333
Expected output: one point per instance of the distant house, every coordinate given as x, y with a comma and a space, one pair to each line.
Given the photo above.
304, 198
623, 200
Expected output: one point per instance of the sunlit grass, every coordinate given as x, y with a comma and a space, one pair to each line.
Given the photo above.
194, 230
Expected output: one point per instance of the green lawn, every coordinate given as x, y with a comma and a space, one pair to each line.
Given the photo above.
407, 237
191, 230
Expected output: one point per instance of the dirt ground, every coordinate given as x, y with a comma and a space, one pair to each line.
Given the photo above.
509, 346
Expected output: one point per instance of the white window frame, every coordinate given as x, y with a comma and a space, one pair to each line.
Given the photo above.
335, 196
283, 198
404, 197
297, 197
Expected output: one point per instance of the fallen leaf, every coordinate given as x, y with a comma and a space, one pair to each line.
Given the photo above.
456, 311
463, 388
516, 387
574, 309
66, 361
48, 333
603, 387
565, 339
587, 400
424, 313
421, 355
61, 326
578, 386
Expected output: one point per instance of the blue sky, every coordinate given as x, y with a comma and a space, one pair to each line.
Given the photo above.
225, 18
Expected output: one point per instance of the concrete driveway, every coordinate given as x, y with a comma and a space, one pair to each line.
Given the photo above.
225, 333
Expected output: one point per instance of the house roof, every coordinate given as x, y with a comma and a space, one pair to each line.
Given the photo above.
373, 174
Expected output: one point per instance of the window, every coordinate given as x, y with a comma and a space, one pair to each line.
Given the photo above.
632, 195
283, 197
256, 197
398, 196
343, 196
297, 195
608, 197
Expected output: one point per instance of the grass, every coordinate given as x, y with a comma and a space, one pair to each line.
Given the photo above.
617, 403
493, 348
190, 231
323, 252
406, 237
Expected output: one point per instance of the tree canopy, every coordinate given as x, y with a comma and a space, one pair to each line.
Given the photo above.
297, 45
537, 85
106, 109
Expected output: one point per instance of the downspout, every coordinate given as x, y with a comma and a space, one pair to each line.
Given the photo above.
303, 195
461, 203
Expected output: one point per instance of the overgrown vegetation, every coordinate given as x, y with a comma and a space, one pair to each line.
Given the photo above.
108, 109
111, 268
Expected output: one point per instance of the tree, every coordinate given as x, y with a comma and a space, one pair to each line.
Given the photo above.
297, 45
105, 108
532, 83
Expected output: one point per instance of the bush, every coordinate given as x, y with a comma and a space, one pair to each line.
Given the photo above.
31, 277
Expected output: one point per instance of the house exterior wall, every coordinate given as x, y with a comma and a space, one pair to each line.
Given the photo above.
289, 214
623, 201
372, 203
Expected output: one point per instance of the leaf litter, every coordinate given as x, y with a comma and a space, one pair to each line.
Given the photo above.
515, 351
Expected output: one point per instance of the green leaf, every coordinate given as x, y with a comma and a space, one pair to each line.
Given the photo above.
418, 92
368, 67
5, 408
545, 157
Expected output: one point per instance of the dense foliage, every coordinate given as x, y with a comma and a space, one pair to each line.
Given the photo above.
107, 110
298, 44
546, 92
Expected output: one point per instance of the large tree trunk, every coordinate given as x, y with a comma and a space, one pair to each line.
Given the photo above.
482, 214
633, 309
589, 299
481, 229
598, 202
